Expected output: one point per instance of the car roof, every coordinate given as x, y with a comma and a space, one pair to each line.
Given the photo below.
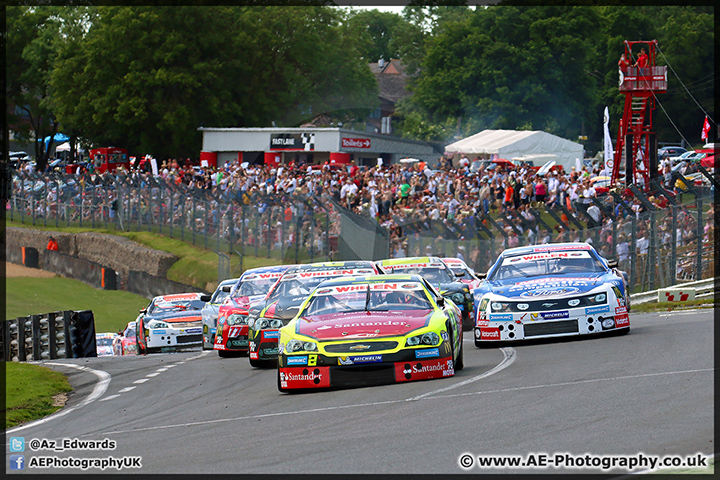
393, 277
392, 262
551, 247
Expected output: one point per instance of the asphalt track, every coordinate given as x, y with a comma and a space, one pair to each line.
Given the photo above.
648, 392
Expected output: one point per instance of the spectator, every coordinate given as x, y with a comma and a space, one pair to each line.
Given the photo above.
53, 244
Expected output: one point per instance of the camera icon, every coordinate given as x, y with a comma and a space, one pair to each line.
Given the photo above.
17, 444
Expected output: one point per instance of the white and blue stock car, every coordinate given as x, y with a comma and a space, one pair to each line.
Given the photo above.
553, 290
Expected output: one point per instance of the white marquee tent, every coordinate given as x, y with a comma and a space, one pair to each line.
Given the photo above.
510, 144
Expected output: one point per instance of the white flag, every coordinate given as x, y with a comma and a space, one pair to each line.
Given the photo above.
608, 141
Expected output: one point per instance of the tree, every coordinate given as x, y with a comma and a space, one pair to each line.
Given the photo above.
506, 67
31, 51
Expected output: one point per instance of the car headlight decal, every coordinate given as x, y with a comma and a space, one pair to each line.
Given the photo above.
429, 338
237, 319
295, 345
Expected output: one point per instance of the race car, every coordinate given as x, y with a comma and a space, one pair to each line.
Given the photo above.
284, 299
464, 273
252, 287
375, 329
171, 321
104, 344
125, 342
441, 277
551, 290
209, 312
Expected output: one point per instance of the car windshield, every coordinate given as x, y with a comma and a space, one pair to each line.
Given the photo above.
379, 297
254, 285
161, 306
130, 332
303, 282
550, 263
219, 296
104, 342
434, 275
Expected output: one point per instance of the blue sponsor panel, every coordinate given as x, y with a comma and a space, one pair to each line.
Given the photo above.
501, 316
553, 315
271, 333
601, 309
213, 330
159, 331
367, 359
193, 330
297, 360
427, 353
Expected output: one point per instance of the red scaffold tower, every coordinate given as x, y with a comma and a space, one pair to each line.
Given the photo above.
636, 145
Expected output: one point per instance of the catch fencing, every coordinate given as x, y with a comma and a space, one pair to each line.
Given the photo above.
656, 247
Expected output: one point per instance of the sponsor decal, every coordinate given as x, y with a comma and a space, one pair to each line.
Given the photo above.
181, 296
253, 346
489, 334
427, 353
546, 292
553, 315
297, 360
444, 335
622, 320
253, 355
619, 310
503, 316
312, 360
160, 331
551, 282
234, 331
544, 256
273, 334
522, 317
561, 248
421, 370
602, 309
483, 323
298, 377
366, 324
359, 359
193, 330
281, 348
218, 340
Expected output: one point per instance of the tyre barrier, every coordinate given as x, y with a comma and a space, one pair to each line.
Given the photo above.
47, 336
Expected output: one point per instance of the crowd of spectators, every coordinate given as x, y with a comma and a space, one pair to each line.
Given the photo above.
418, 199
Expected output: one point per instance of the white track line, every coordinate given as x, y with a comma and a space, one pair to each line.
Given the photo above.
98, 391
141, 380
508, 359
127, 389
110, 397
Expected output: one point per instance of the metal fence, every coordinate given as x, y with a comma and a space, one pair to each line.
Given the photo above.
657, 248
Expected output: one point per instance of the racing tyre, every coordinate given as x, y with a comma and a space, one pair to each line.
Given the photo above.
460, 363
262, 363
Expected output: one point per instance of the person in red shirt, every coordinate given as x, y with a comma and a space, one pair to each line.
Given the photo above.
642, 62
52, 244
623, 63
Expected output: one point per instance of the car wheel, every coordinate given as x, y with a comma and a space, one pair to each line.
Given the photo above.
460, 363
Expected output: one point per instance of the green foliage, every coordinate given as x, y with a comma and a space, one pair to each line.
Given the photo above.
29, 296
29, 391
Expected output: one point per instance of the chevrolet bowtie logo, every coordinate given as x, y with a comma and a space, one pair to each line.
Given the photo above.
359, 347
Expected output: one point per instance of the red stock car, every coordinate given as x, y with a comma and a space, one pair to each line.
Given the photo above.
231, 336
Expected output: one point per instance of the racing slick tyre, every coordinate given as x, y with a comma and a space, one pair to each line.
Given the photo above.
460, 363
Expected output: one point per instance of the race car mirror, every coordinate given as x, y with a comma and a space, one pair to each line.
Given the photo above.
440, 302
460, 273
226, 288
612, 263
481, 275
205, 298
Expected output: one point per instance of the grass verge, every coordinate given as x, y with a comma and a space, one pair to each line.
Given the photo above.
29, 392
112, 308
670, 306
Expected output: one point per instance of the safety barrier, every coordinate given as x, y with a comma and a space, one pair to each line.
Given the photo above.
47, 336
702, 288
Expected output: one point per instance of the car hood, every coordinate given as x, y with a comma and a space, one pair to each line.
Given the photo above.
355, 325
547, 286
189, 316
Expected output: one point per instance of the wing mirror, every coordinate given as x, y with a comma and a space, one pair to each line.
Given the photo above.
481, 276
612, 263
440, 302
205, 298
226, 288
